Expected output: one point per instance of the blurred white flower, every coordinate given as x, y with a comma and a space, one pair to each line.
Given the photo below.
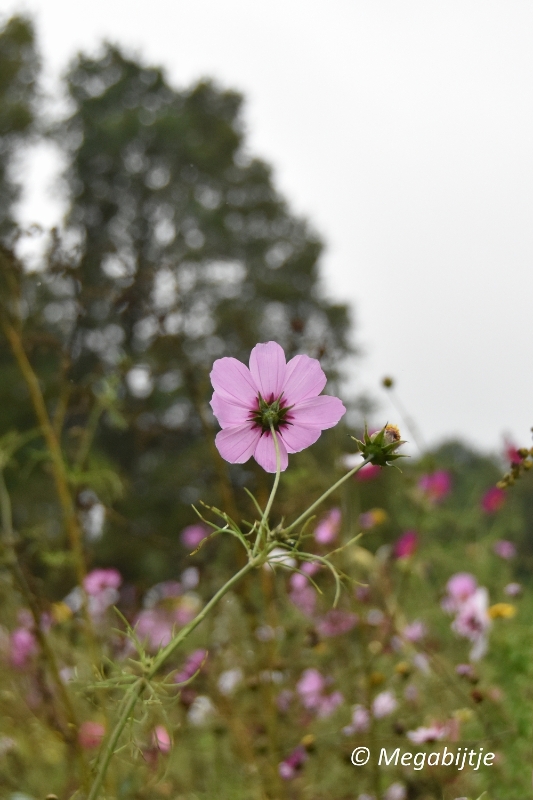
229, 680
201, 710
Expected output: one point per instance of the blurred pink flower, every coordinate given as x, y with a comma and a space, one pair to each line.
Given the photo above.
90, 734
360, 721
368, 473
161, 739
246, 400
493, 500
460, 587
22, 647
384, 704
396, 791
433, 733
511, 453
310, 687
153, 627
299, 581
436, 485
328, 704
192, 665
100, 579
304, 599
291, 766
473, 621
284, 700
504, 549
415, 631
406, 545
192, 535
336, 622
328, 528
513, 589
465, 671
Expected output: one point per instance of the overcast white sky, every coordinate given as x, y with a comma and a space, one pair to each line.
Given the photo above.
403, 129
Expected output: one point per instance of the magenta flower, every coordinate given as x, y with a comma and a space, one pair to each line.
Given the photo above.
247, 401
22, 647
101, 579
291, 766
493, 500
304, 598
90, 734
368, 473
460, 587
436, 485
328, 528
504, 548
406, 545
192, 666
192, 535
336, 622
161, 739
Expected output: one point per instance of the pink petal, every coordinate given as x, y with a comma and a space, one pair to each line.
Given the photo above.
265, 453
318, 412
304, 378
236, 445
231, 379
267, 365
297, 438
228, 414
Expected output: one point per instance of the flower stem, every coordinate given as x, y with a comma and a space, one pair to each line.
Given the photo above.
135, 690
322, 497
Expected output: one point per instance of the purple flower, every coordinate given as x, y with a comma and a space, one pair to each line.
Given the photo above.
504, 549
304, 599
436, 486
493, 500
328, 704
406, 545
336, 622
192, 535
291, 766
360, 721
310, 687
465, 671
100, 579
328, 528
22, 647
153, 627
384, 704
247, 401
298, 581
191, 666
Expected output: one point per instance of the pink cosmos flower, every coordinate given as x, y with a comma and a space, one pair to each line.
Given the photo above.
22, 647
246, 401
406, 545
100, 579
291, 766
460, 587
368, 473
430, 734
414, 631
304, 598
161, 739
384, 704
473, 622
336, 622
511, 453
360, 721
328, 528
90, 734
192, 535
504, 549
493, 500
310, 687
436, 486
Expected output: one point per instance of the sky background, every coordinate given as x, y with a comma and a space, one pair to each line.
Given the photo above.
403, 130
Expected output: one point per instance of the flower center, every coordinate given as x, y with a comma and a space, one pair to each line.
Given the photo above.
272, 413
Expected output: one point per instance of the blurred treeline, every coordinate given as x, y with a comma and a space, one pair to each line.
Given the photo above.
177, 249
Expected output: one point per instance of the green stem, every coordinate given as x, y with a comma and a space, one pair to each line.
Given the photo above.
266, 512
135, 691
322, 497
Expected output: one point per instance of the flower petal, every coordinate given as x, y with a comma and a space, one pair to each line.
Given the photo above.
228, 414
237, 444
318, 412
267, 365
265, 453
304, 378
297, 437
231, 379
